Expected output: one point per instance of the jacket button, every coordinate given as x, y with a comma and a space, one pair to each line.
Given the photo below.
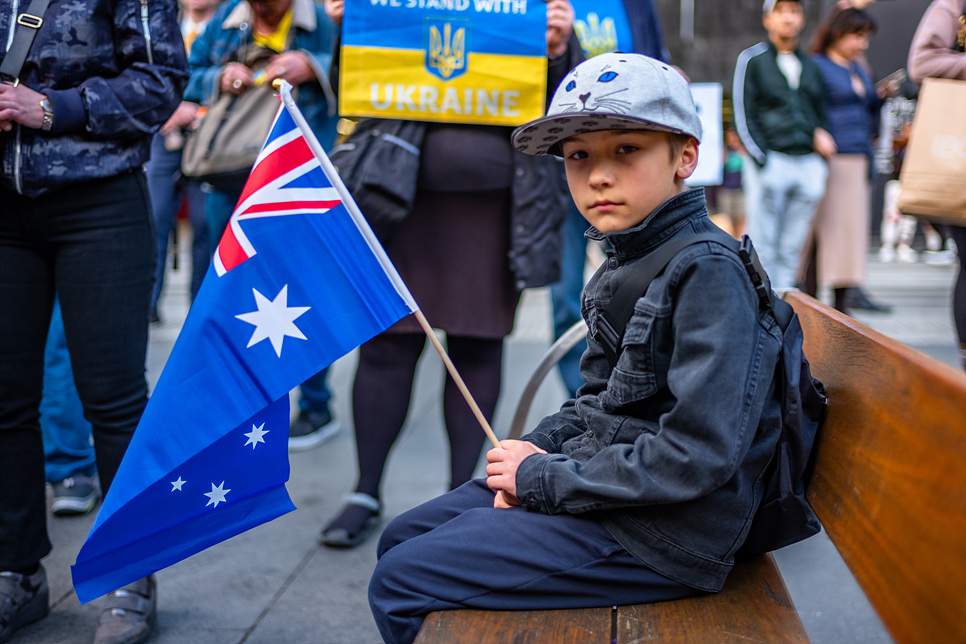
521, 285
520, 172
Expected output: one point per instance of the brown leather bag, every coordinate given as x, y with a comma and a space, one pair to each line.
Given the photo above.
232, 132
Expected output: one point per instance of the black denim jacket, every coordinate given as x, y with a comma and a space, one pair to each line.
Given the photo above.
666, 450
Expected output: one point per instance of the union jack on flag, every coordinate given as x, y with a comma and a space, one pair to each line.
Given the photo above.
277, 186
298, 281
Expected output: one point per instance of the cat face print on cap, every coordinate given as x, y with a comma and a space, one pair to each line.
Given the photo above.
613, 91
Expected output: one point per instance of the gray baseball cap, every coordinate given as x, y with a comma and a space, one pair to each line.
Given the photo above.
612, 92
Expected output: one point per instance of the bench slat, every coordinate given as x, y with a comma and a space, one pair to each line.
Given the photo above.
578, 626
754, 606
890, 478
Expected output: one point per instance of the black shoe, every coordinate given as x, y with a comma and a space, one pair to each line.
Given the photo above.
856, 298
153, 317
355, 522
311, 428
23, 600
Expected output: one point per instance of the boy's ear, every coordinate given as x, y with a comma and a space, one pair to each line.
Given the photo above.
687, 159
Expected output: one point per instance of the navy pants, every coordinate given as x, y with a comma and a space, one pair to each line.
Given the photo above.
457, 551
93, 245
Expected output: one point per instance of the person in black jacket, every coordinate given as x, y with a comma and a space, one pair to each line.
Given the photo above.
99, 78
780, 117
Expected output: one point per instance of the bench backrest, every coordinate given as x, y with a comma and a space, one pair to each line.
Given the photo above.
890, 478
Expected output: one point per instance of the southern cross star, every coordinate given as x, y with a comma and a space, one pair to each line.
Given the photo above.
257, 435
176, 485
217, 494
274, 320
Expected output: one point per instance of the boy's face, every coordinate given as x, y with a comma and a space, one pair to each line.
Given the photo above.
618, 177
785, 21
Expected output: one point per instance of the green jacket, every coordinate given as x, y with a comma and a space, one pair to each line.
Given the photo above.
769, 114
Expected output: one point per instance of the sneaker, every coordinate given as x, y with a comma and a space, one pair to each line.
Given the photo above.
75, 496
129, 614
906, 255
887, 254
311, 428
23, 600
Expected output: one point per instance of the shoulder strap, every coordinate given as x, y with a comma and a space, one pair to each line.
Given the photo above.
613, 319
30, 22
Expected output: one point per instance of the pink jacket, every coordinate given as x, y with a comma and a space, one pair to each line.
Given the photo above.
931, 54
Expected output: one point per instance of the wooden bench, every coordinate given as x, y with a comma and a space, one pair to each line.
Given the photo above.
889, 487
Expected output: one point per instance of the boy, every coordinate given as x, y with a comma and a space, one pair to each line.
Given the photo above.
643, 487
780, 116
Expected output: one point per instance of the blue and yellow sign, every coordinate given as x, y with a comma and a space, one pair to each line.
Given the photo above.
463, 61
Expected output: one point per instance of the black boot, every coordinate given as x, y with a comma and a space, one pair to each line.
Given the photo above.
856, 298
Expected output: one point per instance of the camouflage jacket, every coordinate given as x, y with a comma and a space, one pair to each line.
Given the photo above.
113, 70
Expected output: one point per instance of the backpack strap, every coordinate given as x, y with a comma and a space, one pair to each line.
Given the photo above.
613, 319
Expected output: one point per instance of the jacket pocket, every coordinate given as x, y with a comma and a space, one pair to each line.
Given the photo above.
634, 378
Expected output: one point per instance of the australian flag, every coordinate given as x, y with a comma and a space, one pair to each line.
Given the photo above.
297, 281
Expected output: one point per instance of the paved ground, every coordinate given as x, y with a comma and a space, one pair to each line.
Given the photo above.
275, 584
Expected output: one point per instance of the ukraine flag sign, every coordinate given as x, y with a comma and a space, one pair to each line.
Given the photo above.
463, 61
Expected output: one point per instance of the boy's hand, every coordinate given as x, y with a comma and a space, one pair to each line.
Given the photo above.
502, 470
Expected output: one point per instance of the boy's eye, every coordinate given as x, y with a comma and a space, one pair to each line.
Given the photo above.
627, 148
576, 155
607, 77
571, 85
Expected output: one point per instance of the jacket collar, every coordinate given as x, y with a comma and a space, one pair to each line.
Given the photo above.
303, 16
660, 225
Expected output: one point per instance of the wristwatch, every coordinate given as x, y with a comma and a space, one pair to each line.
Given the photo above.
48, 115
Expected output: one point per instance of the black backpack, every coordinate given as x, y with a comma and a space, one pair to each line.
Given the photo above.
784, 516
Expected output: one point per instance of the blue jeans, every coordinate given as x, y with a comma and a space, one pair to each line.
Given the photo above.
457, 551
163, 173
218, 208
67, 435
315, 393
565, 294
93, 245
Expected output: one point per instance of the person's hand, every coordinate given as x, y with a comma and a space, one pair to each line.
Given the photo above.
20, 104
501, 470
335, 9
182, 118
291, 66
235, 78
823, 143
560, 24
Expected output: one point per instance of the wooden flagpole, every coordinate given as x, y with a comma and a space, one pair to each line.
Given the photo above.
428, 330
284, 89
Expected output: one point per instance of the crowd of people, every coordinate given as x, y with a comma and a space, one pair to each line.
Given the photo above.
92, 189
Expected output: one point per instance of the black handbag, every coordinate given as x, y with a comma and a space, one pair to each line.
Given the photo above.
379, 164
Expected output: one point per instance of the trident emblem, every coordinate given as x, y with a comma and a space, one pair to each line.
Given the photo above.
446, 55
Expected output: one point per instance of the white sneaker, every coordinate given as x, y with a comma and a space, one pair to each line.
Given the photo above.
906, 255
887, 254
